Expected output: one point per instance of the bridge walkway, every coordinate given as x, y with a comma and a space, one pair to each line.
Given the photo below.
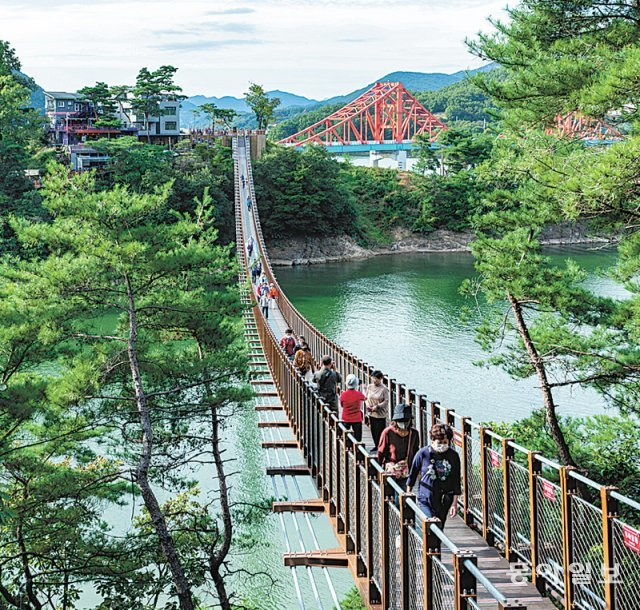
515, 503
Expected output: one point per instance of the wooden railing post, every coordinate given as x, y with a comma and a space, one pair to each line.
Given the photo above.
534, 472
465, 467
430, 549
435, 411
464, 581
507, 456
610, 509
348, 447
568, 489
407, 521
484, 474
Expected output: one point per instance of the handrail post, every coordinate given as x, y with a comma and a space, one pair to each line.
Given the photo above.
484, 475
360, 510
534, 472
610, 509
338, 486
465, 467
464, 581
507, 456
385, 492
407, 521
435, 406
568, 489
430, 549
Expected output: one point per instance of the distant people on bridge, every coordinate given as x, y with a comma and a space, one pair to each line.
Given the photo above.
351, 401
264, 304
288, 343
250, 247
303, 361
377, 403
328, 379
242, 179
273, 295
436, 472
249, 202
399, 443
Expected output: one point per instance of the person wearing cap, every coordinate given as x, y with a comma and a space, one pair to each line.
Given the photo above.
398, 444
351, 402
436, 471
377, 405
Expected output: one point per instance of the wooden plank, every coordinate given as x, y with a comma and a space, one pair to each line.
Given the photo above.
274, 424
280, 444
294, 471
335, 558
314, 505
268, 408
266, 393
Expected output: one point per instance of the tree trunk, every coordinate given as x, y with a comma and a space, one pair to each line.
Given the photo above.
217, 558
26, 568
183, 589
538, 364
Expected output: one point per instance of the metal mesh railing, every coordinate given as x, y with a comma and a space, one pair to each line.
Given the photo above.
416, 571
342, 500
520, 511
376, 534
626, 556
351, 478
393, 544
474, 476
549, 509
362, 474
495, 493
443, 586
588, 555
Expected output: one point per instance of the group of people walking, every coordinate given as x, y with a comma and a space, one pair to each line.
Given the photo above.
432, 472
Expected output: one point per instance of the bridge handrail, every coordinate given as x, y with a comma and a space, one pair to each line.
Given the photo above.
539, 520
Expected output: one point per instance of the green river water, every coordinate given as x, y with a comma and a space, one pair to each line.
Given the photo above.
402, 314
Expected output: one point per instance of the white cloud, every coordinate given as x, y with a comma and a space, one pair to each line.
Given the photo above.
317, 48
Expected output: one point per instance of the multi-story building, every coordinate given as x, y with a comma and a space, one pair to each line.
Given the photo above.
72, 121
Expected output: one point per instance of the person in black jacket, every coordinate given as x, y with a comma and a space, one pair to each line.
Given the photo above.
436, 470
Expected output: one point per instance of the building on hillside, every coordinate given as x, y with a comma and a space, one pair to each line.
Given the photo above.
83, 157
72, 120
162, 129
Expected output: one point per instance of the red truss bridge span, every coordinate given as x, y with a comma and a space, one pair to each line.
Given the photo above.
386, 115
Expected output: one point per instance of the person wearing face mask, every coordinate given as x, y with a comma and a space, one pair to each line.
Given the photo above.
436, 470
377, 396
398, 444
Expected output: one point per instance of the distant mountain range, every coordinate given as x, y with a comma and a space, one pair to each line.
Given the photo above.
414, 81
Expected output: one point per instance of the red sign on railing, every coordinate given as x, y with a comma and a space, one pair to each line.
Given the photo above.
494, 456
457, 438
549, 491
631, 538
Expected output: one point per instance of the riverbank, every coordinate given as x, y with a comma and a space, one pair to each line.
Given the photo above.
317, 250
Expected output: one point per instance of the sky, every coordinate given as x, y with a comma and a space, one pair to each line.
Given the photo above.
316, 48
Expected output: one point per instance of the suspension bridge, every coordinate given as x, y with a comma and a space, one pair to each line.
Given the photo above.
528, 529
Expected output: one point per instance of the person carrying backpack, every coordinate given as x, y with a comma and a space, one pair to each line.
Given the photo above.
351, 402
288, 343
328, 379
273, 295
303, 361
399, 443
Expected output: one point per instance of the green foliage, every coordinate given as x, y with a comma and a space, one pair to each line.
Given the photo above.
301, 193
261, 105
101, 100
605, 446
461, 101
352, 600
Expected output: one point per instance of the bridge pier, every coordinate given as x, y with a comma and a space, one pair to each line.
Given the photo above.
374, 158
401, 159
